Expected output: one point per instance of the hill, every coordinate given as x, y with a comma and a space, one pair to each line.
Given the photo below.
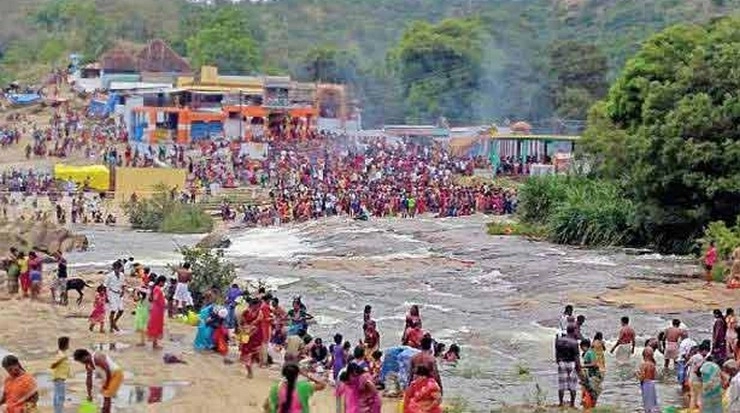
514, 80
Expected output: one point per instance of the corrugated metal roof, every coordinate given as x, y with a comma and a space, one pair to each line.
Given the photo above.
226, 90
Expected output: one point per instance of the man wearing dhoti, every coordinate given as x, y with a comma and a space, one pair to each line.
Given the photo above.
114, 290
625, 345
183, 298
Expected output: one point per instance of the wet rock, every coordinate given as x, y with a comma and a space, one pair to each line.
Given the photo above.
214, 240
637, 251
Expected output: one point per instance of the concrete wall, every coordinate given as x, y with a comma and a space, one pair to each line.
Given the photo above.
143, 180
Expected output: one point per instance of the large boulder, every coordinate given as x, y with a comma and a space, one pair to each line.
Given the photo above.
214, 240
43, 235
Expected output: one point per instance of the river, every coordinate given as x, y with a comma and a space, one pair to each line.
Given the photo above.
498, 297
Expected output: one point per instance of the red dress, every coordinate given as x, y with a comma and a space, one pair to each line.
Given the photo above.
266, 322
98, 313
221, 340
250, 350
155, 328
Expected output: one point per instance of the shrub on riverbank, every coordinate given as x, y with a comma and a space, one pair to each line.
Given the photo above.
576, 210
725, 238
592, 213
518, 228
210, 270
163, 213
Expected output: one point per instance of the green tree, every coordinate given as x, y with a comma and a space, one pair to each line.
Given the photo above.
675, 108
211, 272
329, 64
578, 77
439, 67
225, 40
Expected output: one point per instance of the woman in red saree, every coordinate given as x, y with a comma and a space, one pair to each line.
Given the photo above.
155, 327
423, 394
250, 324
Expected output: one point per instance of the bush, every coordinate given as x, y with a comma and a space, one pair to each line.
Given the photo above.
210, 269
539, 195
593, 213
577, 210
186, 219
725, 238
163, 213
522, 229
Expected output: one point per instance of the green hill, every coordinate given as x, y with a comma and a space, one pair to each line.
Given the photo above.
514, 72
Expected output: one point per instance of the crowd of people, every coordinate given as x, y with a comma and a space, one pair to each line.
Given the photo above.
249, 326
706, 370
374, 179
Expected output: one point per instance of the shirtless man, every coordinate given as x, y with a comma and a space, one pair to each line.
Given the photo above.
672, 337
625, 343
106, 369
182, 297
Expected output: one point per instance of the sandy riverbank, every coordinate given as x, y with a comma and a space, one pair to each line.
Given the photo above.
204, 384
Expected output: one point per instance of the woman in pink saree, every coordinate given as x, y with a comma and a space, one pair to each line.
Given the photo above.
360, 393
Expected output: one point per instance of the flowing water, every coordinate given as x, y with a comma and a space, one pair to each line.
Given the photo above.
498, 297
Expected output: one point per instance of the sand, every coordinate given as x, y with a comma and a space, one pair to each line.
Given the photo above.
30, 330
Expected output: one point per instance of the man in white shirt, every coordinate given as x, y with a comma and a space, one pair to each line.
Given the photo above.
128, 266
684, 346
114, 289
565, 319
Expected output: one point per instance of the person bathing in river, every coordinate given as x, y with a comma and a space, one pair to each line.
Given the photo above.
646, 374
672, 337
426, 359
452, 355
731, 336
413, 327
719, 338
625, 345
591, 376
569, 364
298, 317
684, 354
693, 377
366, 316
372, 338
580, 321
599, 350
565, 319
